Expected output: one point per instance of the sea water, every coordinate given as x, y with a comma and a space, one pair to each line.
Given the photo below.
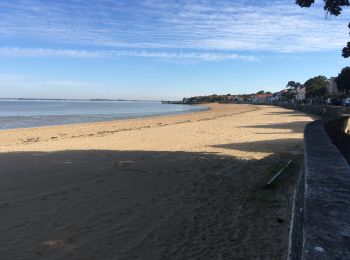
36, 113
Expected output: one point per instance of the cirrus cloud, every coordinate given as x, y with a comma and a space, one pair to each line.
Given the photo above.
71, 53
201, 25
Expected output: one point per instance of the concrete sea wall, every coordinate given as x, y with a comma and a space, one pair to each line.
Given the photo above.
320, 227
320, 110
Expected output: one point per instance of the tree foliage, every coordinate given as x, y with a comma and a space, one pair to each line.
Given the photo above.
209, 98
293, 85
316, 87
333, 7
343, 80
221, 98
288, 95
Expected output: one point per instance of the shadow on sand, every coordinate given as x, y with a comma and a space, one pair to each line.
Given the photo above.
294, 113
295, 127
139, 205
288, 145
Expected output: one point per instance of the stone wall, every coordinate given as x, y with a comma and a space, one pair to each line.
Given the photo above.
320, 226
338, 131
319, 110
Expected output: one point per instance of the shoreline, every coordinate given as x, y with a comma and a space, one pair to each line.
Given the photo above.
92, 129
205, 108
168, 187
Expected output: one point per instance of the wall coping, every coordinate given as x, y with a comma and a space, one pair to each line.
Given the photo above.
325, 220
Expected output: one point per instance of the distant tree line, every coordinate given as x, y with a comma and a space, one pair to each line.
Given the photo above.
222, 98
206, 99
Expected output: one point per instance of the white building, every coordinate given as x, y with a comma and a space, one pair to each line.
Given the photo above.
332, 86
300, 95
278, 96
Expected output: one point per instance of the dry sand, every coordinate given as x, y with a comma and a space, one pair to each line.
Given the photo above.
168, 187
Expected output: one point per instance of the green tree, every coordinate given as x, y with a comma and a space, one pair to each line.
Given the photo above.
333, 7
260, 92
293, 85
287, 96
316, 87
343, 80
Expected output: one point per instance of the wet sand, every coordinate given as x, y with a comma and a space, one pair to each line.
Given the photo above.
169, 187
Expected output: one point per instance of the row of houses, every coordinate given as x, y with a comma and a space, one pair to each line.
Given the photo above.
256, 98
300, 93
267, 97
296, 95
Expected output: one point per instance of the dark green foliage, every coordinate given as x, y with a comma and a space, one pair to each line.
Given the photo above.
316, 88
293, 85
209, 98
221, 98
289, 95
346, 50
305, 3
332, 7
343, 80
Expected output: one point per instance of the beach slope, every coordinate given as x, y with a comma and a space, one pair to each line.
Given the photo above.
169, 187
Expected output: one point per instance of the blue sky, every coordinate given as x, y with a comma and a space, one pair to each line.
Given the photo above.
157, 49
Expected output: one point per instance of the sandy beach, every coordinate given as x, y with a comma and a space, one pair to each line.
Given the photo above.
170, 187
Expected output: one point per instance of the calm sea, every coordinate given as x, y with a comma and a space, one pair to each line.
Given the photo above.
25, 113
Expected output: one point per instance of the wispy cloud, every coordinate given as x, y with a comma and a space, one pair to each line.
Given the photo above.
68, 53
202, 25
43, 52
19, 80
